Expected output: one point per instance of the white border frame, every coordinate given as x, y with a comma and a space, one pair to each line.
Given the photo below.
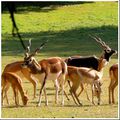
118, 62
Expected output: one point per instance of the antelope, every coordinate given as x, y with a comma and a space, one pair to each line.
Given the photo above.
16, 67
84, 75
91, 61
53, 68
15, 81
113, 73
83, 61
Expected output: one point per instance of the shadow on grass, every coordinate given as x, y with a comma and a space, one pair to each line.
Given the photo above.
14, 106
51, 102
42, 102
113, 105
20, 106
74, 105
41, 6
48, 88
63, 43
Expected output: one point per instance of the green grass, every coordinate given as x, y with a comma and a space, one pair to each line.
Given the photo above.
67, 28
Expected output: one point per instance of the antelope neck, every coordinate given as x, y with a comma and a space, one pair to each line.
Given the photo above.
101, 64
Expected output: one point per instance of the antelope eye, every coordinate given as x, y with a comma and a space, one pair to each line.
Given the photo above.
30, 60
108, 51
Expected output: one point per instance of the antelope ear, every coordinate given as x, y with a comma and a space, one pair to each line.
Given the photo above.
26, 54
36, 51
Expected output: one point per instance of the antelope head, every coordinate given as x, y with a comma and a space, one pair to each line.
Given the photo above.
96, 88
108, 52
29, 59
25, 99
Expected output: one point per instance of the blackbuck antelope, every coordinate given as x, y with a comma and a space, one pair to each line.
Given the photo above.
91, 61
11, 79
113, 73
84, 75
49, 69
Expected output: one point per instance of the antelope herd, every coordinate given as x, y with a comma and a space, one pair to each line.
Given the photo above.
78, 71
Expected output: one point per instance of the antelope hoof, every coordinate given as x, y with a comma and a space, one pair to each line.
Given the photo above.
93, 103
113, 102
38, 105
34, 97
109, 102
56, 102
62, 103
98, 103
46, 103
2, 105
68, 99
17, 106
80, 104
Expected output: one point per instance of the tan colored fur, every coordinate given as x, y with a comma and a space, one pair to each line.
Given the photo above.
16, 67
49, 69
9, 78
113, 73
82, 75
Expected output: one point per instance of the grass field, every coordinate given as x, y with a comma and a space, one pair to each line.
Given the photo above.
67, 28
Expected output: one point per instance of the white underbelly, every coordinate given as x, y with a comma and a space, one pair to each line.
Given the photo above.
51, 76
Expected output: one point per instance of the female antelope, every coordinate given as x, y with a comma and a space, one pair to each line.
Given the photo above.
113, 73
12, 79
83, 75
15, 67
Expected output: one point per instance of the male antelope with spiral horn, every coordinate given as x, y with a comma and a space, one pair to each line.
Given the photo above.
90, 63
53, 68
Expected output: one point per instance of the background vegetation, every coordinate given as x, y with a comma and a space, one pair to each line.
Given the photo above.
66, 26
